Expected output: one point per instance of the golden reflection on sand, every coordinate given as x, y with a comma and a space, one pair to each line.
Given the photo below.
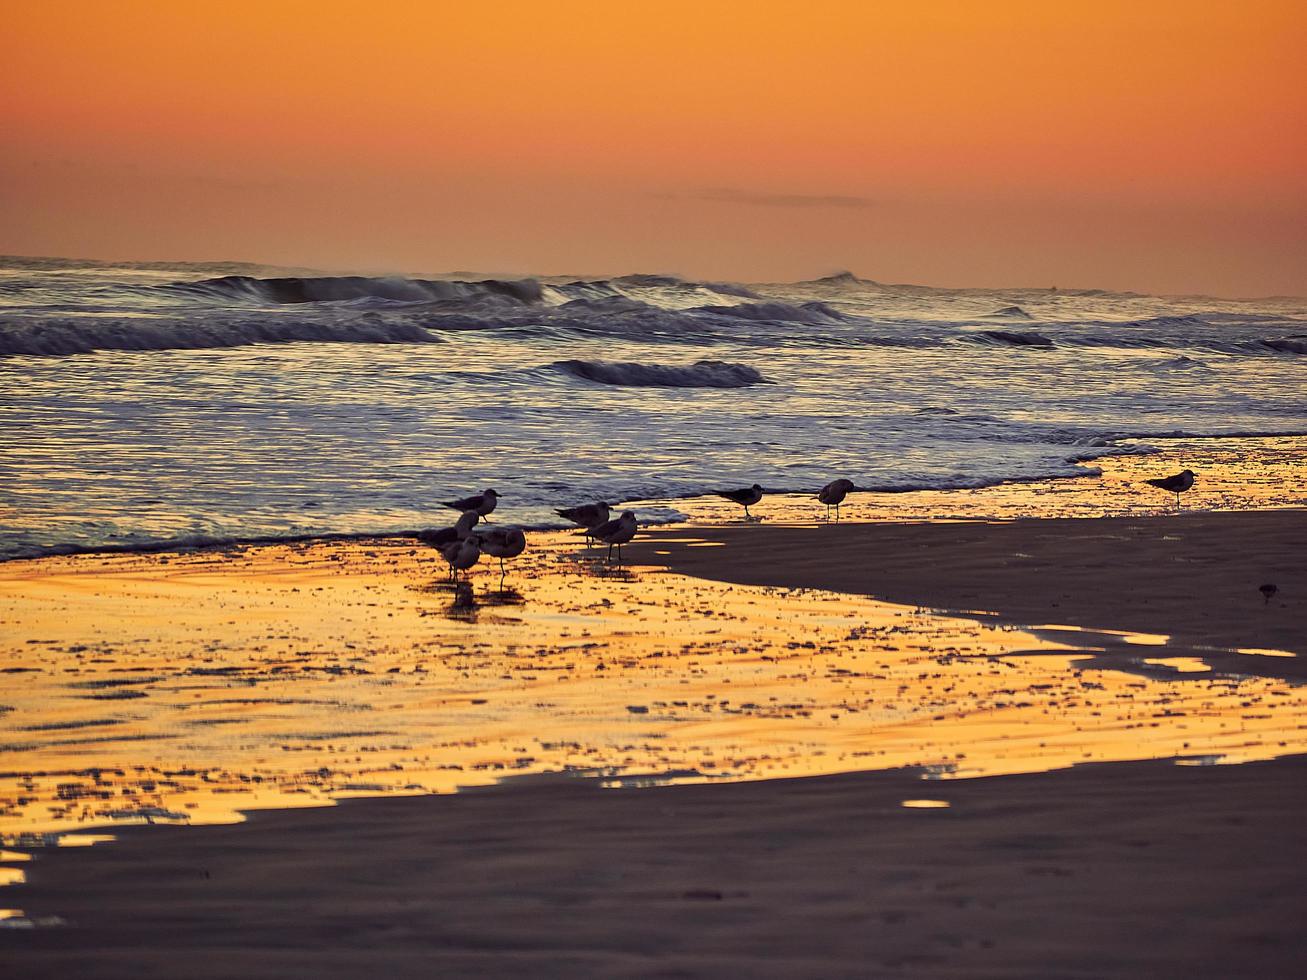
188, 687
1245, 474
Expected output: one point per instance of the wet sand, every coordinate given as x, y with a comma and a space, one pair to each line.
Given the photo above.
191, 685
1192, 576
1129, 870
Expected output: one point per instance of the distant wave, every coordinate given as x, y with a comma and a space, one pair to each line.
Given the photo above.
1190, 320
1011, 312
1288, 345
331, 289
785, 312
1016, 338
700, 374
1180, 363
82, 335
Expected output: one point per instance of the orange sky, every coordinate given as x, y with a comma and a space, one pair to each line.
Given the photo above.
1150, 145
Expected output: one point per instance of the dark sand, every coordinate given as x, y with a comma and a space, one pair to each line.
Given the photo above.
1194, 577
1129, 870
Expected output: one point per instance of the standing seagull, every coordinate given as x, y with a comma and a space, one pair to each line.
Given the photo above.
1177, 484
461, 555
833, 494
745, 498
502, 543
438, 538
482, 503
588, 516
616, 532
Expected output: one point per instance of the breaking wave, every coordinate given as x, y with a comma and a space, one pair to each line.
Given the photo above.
815, 312
1288, 345
84, 334
700, 374
334, 289
1017, 338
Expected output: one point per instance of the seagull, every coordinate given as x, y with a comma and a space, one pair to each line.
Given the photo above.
483, 503
461, 555
746, 497
438, 538
1177, 484
833, 494
588, 516
502, 543
1268, 591
616, 532
460, 530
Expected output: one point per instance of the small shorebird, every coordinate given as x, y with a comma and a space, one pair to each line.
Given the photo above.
482, 503
746, 498
461, 555
503, 543
616, 532
588, 516
833, 494
1177, 484
1268, 591
442, 536
438, 538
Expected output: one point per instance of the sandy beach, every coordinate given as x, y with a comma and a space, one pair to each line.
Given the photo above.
740, 754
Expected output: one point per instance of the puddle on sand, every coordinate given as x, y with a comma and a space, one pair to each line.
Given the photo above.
293, 675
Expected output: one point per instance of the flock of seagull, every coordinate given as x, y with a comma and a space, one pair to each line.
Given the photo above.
462, 544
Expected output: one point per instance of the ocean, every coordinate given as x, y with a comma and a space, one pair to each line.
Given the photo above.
153, 404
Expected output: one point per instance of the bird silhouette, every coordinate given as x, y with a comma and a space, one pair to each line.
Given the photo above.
833, 494
1177, 484
482, 503
746, 498
588, 516
617, 532
503, 543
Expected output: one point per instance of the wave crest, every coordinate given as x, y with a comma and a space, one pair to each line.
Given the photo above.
333, 289
82, 335
1017, 338
700, 374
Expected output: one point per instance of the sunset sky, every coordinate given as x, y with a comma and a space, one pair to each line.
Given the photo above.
1158, 146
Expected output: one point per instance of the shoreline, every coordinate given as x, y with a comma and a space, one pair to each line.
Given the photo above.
1115, 463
